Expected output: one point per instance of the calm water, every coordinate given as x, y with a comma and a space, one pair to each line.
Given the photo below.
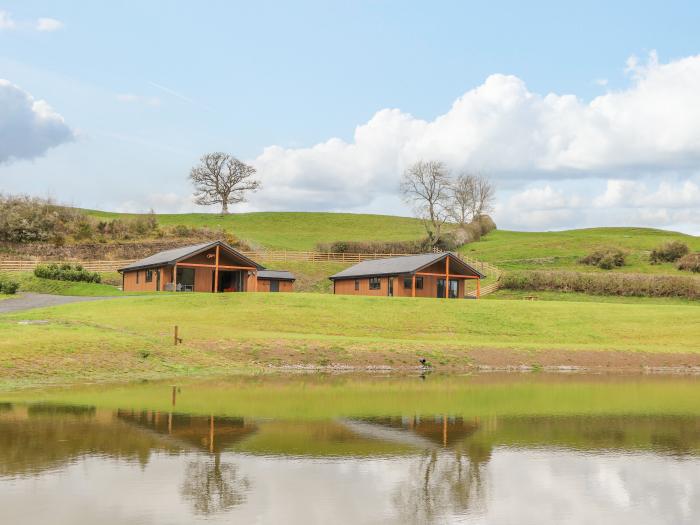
355, 450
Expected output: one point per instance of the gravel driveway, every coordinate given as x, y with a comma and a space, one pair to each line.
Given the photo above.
27, 301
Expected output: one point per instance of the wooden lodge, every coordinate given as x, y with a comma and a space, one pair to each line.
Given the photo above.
441, 275
208, 267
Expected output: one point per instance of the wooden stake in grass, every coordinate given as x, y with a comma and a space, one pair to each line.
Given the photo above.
176, 339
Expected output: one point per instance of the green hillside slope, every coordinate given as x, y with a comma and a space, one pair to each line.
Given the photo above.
543, 250
507, 249
296, 230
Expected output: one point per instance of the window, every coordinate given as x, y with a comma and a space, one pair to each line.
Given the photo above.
149, 276
357, 285
408, 283
375, 283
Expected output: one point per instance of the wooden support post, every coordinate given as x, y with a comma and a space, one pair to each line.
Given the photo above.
175, 278
478, 288
444, 431
447, 277
216, 270
175, 338
211, 434
413, 286
255, 283
170, 422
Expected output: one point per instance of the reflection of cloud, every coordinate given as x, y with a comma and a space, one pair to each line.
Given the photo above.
523, 486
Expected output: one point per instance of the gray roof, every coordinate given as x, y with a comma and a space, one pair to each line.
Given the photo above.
397, 265
276, 274
169, 257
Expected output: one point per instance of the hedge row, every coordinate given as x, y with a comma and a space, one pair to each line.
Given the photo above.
66, 272
628, 284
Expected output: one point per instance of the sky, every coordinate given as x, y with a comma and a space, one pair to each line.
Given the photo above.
582, 113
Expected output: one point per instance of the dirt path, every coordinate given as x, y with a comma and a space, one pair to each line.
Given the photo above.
28, 301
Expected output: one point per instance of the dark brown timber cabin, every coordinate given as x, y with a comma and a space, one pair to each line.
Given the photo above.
207, 267
441, 275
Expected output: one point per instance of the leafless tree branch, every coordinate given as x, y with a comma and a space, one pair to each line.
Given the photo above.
222, 179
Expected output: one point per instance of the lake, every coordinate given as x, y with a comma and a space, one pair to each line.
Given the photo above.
311, 448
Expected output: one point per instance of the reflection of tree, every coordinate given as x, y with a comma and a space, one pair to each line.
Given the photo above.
442, 482
212, 486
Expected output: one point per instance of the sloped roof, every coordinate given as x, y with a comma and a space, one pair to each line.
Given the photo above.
169, 257
398, 265
282, 275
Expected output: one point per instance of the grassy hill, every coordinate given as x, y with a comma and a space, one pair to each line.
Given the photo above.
294, 230
562, 250
507, 249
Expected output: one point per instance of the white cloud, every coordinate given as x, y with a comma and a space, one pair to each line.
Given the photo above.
515, 136
138, 99
48, 24
28, 127
636, 194
43, 24
6, 21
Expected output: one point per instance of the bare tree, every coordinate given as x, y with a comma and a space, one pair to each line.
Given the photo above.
471, 196
426, 185
222, 179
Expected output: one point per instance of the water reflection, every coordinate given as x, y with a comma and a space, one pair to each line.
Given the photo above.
149, 466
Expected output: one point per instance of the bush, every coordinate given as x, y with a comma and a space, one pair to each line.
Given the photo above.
66, 272
27, 219
486, 223
668, 252
605, 258
626, 284
690, 262
374, 247
7, 285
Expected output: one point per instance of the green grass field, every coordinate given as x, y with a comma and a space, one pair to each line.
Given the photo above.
562, 250
295, 230
506, 249
132, 337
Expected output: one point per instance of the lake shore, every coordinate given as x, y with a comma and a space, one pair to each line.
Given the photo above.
133, 338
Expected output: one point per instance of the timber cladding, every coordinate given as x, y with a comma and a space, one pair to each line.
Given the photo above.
208, 267
426, 286
423, 275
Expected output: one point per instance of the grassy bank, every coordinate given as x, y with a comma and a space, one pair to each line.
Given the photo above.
562, 250
587, 298
294, 230
30, 283
132, 337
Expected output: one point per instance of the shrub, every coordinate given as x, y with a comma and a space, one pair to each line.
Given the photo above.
668, 252
373, 247
66, 272
690, 262
626, 284
486, 224
27, 219
605, 258
7, 285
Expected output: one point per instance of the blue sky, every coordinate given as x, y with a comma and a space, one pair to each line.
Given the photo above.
145, 88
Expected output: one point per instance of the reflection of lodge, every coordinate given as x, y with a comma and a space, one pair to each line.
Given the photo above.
440, 430
210, 433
